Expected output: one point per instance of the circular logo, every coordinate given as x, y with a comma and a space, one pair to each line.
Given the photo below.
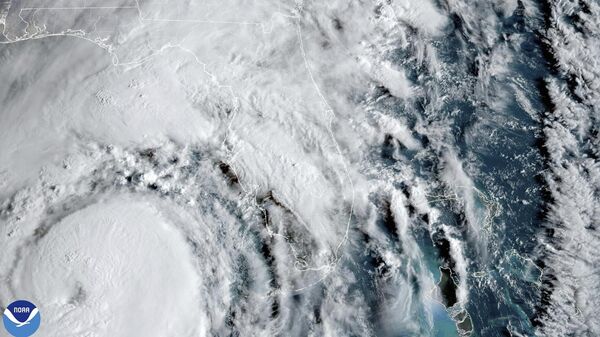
21, 318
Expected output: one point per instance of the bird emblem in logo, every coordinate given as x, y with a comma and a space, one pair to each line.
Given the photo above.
21, 318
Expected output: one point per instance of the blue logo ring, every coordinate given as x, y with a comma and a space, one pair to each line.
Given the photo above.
21, 318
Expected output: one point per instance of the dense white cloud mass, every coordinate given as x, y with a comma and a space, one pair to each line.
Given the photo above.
301, 168
128, 268
572, 248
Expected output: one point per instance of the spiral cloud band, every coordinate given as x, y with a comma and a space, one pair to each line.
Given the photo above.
301, 168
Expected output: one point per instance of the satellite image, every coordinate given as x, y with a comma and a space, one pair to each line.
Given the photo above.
399, 168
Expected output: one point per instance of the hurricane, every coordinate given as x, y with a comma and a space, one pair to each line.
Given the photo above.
301, 168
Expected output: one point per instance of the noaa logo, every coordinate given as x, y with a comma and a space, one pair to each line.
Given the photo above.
21, 318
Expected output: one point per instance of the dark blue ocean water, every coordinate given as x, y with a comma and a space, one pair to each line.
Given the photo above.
497, 141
